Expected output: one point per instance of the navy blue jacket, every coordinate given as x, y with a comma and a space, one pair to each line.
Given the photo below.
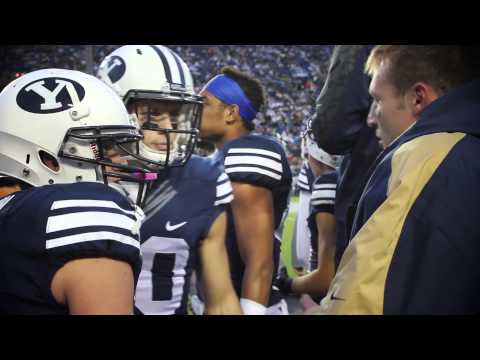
415, 245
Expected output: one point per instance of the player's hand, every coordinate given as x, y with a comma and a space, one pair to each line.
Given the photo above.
284, 282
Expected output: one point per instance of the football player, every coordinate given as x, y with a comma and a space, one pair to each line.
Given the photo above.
185, 225
261, 178
72, 246
301, 242
321, 223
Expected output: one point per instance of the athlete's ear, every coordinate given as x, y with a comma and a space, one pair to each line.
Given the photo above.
232, 114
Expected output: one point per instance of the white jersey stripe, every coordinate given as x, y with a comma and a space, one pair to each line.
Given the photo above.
325, 186
255, 151
323, 194
92, 236
254, 160
303, 178
300, 183
224, 189
62, 204
222, 178
226, 200
88, 218
5, 201
323, 202
241, 169
303, 186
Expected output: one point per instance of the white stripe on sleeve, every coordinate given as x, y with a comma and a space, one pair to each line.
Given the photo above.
302, 178
303, 186
224, 189
246, 169
254, 160
222, 177
324, 194
88, 218
62, 204
255, 151
92, 236
323, 202
226, 200
325, 186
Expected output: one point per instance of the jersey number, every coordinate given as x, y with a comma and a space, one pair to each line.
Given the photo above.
161, 282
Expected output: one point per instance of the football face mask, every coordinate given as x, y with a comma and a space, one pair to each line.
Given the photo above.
109, 148
170, 129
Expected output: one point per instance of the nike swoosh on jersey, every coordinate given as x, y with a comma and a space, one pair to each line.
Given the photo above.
170, 227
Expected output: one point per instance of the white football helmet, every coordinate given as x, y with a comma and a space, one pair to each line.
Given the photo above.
154, 75
68, 119
310, 147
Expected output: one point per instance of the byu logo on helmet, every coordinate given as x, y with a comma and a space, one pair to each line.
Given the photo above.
50, 95
115, 68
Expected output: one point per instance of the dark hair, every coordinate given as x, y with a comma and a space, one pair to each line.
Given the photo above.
443, 67
251, 86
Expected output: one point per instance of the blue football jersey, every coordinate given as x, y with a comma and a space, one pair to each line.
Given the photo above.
306, 178
41, 229
180, 209
322, 200
261, 161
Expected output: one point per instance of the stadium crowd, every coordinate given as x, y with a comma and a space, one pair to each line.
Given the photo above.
293, 76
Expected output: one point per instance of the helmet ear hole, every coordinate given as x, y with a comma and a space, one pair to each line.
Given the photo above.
49, 161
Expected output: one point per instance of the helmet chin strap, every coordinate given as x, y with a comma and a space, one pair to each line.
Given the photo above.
154, 155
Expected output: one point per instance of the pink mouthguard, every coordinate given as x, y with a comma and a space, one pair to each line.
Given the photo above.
145, 176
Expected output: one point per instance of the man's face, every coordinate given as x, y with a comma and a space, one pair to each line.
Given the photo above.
391, 113
160, 114
212, 117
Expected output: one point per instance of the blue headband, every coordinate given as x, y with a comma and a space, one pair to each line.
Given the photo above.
228, 91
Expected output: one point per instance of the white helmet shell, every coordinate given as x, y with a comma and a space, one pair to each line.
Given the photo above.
163, 70
321, 155
37, 111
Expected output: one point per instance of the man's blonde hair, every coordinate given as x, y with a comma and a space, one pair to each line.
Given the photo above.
442, 67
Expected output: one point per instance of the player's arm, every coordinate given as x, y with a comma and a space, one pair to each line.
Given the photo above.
220, 296
318, 281
95, 286
254, 224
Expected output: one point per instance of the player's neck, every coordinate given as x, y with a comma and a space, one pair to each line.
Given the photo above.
7, 190
230, 135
